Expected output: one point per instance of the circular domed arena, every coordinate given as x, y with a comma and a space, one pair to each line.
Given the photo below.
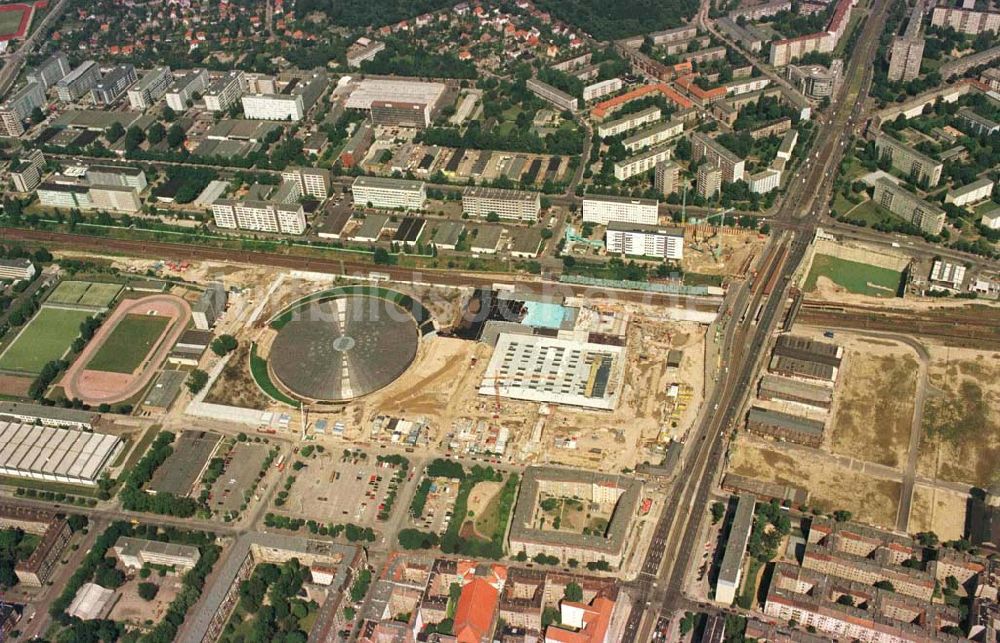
339, 348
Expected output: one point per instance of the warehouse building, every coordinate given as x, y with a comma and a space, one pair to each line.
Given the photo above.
603, 209
363, 49
555, 371
792, 367
82, 196
222, 93
623, 492
902, 202
786, 389
731, 569
406, 100
785, 426
909, 161
630, 122
78, 82
408, 232
48, 415
136, 553
379, 192
150, 88
117, 175
510, 205
51, 71
645, 241
184, 87
113, 85
357, 146
55, 454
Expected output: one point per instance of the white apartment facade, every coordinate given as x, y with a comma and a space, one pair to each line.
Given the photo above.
621, 125
273, 107
185, 87
312, 181
388, 193
260, 216
654, 135
150, 88
223, 93
645, 241
764, 181
602, 210
642, 162
602, 88
511, 205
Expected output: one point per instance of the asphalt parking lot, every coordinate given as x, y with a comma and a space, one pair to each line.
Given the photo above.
330, 490
242, 466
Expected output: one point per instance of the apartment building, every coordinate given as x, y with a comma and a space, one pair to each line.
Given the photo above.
260, 216
312, 181
603, 210
291, 103
510, 205
113, 85
981, 125
557, 97
972, 193
991, 78
379, 192
909, 161
78, 82
815, 81
222, 93
184, 87
704, 147
51, 71
630, 122
908, 205
602, 88
731, 567
708, 180
642, 162
908, 49
16, 109
666, 178
26, 171
654, 135
639, 240
150, 88
968, 21
764, 181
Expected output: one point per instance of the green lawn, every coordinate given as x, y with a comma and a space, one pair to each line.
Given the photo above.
872, 213
858, 278
68, 292
100, 295
46, 337
129, 343
10, 21
85, 293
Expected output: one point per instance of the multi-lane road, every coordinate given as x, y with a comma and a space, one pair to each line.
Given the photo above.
659, 589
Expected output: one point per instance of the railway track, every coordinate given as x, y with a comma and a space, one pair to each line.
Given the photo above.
183, 251
970, 327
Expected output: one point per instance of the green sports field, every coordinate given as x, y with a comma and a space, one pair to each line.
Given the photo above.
10, 21
858, 278
46, 337
84, 293
128, 344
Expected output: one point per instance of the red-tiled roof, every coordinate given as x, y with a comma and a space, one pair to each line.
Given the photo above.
474, 613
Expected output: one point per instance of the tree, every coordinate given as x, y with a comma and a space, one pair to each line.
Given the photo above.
155, 133
573, 593
718, 511
842, 515
133, 138
197, 380
115, 132
224, 344
169, 115
175, 135
37, 115
76, 522
846, 599
148, 591
885, 585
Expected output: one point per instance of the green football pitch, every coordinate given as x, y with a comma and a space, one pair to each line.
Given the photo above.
858, 278
128, 344
46, 337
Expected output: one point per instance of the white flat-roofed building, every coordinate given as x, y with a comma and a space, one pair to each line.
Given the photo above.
135, 553
119, 175
631, 121
222, 93
654, 135
991, 219
555, 371
291, 103
51, 71
55, 454
78, 82
511, 205
312, 181
601, 88
971, 193
731, 567
556, 96
645, 241
642, 162
788, 144
64, 195
373, 90
150, 88
390, 194
764, 181
184, 87
113, 85
115, 197
948, 273
260, 216
602, 210
17, 269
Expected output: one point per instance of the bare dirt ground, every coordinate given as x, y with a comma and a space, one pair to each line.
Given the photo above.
15, 385
962, 417
831, 487
234, 386
479, 501
698, 255
874, 403
132, 609
937, 510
